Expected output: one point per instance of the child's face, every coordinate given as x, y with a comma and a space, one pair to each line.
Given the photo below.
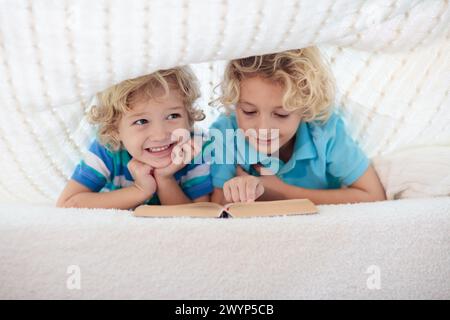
146, 130
260, 107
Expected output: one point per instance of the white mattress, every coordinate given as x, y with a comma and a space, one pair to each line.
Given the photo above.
346, 251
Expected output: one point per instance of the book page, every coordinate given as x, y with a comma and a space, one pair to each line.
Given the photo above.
272, 208
197, 209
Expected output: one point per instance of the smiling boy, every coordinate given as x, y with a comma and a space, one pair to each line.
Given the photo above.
133, 157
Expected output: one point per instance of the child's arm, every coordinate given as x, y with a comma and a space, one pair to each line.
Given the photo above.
366, 189
170, 193
76, 195
218, 197
344, 160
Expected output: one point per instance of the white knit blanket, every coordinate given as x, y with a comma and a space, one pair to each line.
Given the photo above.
389, 250
391, 60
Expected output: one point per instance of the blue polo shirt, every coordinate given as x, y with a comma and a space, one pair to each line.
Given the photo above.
324, 155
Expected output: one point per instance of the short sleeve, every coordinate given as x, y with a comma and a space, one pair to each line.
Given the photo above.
221, 173
345, 160
222, 152
196, 181
94, 171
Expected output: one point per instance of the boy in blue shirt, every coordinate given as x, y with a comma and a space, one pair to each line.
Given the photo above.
144, 149
289, 143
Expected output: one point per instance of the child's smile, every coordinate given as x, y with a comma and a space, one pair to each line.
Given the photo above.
161, 151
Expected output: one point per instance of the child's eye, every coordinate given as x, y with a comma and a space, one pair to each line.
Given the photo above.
173, 116
140, 122
281, 115
249, 113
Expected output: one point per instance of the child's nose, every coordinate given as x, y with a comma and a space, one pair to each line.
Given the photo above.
265, 123
158, 132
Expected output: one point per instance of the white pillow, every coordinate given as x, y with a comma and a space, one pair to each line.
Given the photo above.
416, 172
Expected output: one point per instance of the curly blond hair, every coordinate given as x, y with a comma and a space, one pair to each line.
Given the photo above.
116, 100
307, 82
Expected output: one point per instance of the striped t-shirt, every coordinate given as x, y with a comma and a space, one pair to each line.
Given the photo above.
105, 170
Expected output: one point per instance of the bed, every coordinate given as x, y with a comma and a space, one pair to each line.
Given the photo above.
388, 250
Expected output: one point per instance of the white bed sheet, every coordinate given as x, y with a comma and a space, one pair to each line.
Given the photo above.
344, 252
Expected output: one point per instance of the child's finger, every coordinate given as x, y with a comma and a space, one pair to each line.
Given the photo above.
135, 166
227, 192
259, 190
234, 192
133, 162
242, 185
251, 190
147, 169
140, 170
131, 165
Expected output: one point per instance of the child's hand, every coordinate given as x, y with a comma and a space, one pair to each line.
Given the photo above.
143, 178
243, 188
272, 184
182, 154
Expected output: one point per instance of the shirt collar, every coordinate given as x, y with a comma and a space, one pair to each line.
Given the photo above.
303, 148
304, 145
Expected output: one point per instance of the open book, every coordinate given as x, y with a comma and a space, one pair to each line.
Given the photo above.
235, 210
